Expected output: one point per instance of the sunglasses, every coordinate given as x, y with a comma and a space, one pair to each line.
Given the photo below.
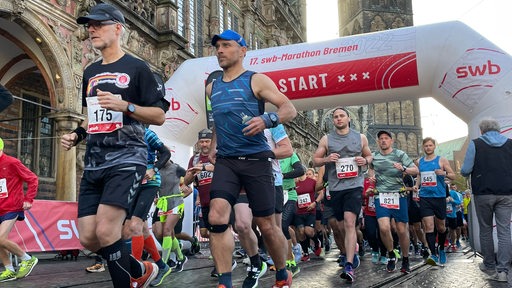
99, 24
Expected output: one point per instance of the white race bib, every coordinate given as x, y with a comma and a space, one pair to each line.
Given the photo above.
389, 200
449, 208
346, 168
428, 179
3, 188
102, 120
303, 200
204, 177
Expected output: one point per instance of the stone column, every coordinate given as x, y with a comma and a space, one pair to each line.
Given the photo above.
66, 181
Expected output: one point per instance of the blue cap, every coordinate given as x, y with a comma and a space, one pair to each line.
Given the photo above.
229, 35
102, 12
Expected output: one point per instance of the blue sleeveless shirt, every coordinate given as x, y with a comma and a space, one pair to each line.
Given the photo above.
437, 191
233, 103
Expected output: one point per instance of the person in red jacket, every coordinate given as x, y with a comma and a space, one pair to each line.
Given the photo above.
13, 203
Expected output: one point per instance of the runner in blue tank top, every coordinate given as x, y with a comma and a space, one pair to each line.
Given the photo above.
241, 154
432, 191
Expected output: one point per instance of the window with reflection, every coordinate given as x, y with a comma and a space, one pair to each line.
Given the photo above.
181, 18
36, 136
192, 26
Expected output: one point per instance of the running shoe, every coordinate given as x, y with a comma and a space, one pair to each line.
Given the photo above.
327, 245
355, 261
304, 258
342, 259
284, 283
171, 263
149, 275
196, 246
348, 274
269, 261
26, 267
457, 243
240, 253
98, 267
318, 251
180, 264
406, 269
7, 275
297, 252
253, 275
417, 251
499, 276
292, 267
162, 273
391, 266
383, 260
432, 260
214, 272
360, 249
442, 256
424, 253
375, 257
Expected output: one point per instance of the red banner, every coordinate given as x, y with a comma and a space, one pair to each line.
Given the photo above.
48, 226
363, 75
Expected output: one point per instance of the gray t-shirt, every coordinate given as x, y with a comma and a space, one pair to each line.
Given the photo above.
171, 174
347, 146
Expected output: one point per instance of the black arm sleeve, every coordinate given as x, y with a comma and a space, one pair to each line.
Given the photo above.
298, 170
164, 154
5, 98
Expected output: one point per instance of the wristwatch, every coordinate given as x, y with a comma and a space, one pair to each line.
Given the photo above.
405, 168
274, 118
156, 169
130, 109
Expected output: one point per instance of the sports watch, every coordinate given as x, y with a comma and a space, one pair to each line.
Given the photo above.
274, 118
130, 109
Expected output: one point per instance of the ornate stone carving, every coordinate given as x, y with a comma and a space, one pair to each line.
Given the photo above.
83, 7
18, 7
63, 3
169, 61
377, 24
62, 35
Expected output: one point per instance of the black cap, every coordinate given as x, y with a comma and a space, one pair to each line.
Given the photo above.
205, 134
102, 12
384, 132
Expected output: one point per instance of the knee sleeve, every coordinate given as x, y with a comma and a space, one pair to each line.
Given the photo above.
218, 228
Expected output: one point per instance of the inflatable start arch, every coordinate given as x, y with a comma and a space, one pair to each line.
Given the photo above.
447, 61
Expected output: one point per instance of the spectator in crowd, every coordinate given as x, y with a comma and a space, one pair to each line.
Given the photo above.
13, 203
488, 161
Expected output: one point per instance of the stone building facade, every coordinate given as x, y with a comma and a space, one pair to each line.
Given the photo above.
44, 53
401, 118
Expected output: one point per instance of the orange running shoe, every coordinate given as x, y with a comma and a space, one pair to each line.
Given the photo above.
149, 275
